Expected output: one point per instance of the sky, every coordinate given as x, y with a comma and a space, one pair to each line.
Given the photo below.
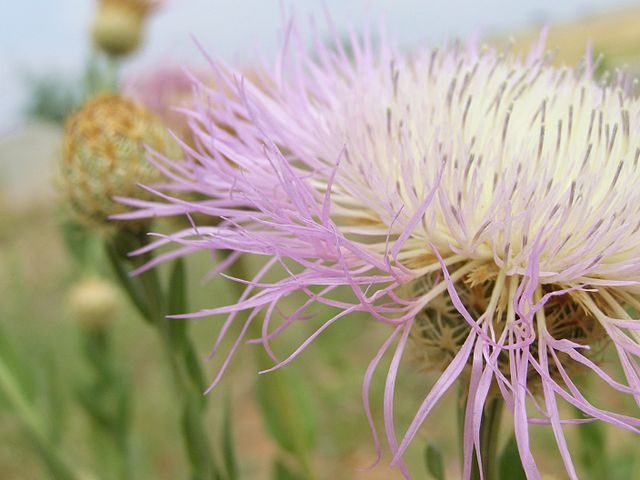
50, 37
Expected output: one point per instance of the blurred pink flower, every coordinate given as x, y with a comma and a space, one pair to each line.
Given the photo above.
164, 91
169, 91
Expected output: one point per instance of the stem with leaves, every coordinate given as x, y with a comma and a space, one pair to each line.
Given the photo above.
154, 304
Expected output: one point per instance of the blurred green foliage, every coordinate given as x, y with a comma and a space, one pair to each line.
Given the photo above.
52, 97
434, 462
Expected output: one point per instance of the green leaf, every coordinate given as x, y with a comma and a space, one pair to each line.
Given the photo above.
198, 449
282, 472
133, 290
288, 412
510, 467
144, 289
76, 239
230, 462
593, 449
193, 366
177, 290
19, 365
122, 414
55, 401
623, 467
93, 405
433, 459
178, 329
177, 302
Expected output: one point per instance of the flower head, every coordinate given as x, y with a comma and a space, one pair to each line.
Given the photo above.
483, 204
103, 156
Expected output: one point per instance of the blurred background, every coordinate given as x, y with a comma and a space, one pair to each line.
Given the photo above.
46, 57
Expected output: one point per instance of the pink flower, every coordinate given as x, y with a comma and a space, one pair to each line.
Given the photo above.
163, 90
423, 183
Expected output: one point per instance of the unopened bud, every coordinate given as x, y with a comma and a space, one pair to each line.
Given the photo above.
104, 156
93, 303
118, 26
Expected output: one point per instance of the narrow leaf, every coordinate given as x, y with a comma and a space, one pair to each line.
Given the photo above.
288, 412
510, 467
593, 449
177, 290
228, 453
131, 288
433, 459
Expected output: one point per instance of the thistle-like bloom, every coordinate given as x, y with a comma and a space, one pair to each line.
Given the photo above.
483, 204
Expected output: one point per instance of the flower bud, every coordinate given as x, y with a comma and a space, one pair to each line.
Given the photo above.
104, 156
118, 25
93, 303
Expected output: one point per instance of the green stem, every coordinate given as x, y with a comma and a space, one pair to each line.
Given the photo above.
106, 401
193, 409
460, 420
489, 439
33, 426
113, 69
